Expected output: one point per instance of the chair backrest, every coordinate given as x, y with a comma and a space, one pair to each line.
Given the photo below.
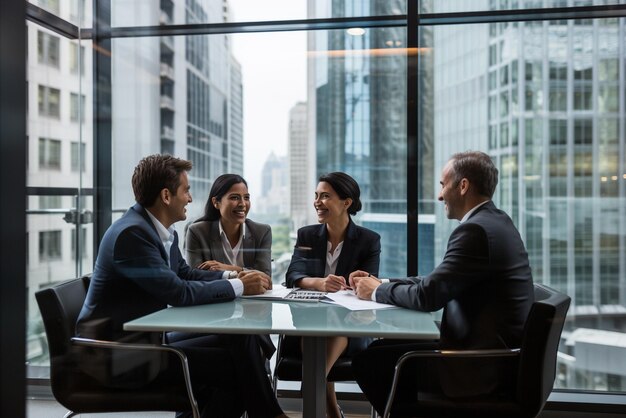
60, 306
540, 343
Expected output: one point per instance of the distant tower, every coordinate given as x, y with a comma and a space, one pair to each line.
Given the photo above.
300, 196
274, 186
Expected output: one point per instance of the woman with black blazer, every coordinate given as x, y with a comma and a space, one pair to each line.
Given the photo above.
327, 253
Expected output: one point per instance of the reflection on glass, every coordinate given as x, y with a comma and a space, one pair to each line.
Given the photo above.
174, 12
456, 6
355, 123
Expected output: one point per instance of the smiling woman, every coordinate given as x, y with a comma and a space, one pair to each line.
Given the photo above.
326, 254
224, 239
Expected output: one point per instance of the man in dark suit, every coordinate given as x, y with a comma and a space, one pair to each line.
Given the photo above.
139, 270
484, 285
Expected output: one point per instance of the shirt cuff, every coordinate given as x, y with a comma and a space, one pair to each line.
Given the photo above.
229, 274
237, 285
374, 292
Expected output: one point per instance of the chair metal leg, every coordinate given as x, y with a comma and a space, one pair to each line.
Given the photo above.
70, 414
374, 414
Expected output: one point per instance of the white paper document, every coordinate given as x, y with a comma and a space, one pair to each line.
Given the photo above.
276, 292
348, 299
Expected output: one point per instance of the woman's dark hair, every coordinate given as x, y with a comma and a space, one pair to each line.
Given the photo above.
221, 185
346, 187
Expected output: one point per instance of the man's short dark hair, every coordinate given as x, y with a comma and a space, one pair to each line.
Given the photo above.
155, 173
478, 168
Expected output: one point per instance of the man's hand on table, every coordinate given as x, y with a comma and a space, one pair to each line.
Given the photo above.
363, 284
254, 282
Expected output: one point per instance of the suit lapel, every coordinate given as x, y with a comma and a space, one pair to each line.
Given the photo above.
247, 246
215, 243
346, 258
144, 214
321, 239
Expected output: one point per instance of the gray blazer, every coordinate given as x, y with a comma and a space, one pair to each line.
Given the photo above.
203, 243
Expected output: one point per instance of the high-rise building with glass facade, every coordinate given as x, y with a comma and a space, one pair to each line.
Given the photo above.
545, 100
298, 162
214, 125
360, 125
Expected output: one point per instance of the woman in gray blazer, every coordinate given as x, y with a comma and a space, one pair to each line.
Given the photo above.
224, 239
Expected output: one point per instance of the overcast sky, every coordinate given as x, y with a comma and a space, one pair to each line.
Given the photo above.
274, 79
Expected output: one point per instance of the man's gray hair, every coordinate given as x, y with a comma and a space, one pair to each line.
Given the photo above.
478, 168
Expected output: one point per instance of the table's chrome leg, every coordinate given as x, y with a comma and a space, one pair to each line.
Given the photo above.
314, 377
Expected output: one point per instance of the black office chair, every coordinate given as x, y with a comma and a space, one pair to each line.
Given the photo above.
535, 372
70, 357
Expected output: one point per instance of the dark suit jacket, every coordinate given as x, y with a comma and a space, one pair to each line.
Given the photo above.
132, 278
484, 285
203, 242
361, 251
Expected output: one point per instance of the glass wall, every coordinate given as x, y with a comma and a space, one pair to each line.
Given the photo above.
59, 165
545, 98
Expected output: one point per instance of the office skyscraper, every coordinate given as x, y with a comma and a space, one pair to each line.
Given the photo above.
299, 161
543, 99
214, 92
360, 126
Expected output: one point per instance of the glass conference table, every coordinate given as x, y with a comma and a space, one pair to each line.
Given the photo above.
311, 320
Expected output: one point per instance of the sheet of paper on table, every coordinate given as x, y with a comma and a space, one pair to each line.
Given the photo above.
348, 299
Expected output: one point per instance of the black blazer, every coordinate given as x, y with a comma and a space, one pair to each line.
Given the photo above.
484, 285
360, 251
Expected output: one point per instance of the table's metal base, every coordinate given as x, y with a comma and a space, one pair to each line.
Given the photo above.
313, 377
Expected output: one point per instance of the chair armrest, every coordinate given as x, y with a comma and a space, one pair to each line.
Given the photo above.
89, 342
112, 345
486, 353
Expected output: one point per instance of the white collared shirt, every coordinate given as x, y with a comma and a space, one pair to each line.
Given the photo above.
167, 238
472, 210
233, 254
332, 258
166, 234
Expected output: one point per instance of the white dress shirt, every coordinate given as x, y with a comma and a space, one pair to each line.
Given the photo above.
167, 238
332, 258
234, 255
